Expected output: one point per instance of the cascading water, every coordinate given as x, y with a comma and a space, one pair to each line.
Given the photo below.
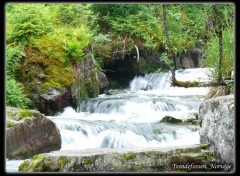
132, 117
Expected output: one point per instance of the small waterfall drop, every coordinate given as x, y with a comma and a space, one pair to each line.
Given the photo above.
132, 117
162, 81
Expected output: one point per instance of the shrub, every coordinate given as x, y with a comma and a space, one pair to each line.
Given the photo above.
15, 96
13, 57
28, 20
77, 43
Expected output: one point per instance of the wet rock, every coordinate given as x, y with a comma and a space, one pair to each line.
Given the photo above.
170, 119
29, 133
114, 91
87, 79
119, 160
191, 59
53, 101
103, 82
217, 126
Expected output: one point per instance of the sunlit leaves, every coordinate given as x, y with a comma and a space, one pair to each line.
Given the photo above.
28, 20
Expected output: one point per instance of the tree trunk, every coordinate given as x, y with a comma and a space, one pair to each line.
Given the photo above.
220, 56
218, 30
170, 52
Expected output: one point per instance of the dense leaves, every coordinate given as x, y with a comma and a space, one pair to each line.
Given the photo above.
15, 94
56, 36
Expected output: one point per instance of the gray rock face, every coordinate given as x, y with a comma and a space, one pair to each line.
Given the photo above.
217, 128
29, 133
53, 101
191, 59
119, 160
86, 84
103, 82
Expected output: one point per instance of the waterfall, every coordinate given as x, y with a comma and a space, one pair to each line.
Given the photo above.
162, 81
132, 117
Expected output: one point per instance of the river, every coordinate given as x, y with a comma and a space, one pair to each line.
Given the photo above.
132, 117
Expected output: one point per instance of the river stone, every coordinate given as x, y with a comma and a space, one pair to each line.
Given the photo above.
170, 119
217, 127
103, 82
158, 159
29, 133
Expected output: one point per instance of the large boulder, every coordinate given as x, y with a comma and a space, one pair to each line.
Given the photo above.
53, 101
103, 82
28, 133
158, 159
217, 126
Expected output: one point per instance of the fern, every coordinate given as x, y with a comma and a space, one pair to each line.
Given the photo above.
15, 96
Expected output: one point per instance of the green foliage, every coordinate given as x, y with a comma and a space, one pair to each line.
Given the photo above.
101, 38
185, 26
73, 14
115, 10
28, 20
13, 57
15, 96
212, 50
78, 42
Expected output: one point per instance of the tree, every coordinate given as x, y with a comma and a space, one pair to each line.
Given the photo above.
168, 43
221, 14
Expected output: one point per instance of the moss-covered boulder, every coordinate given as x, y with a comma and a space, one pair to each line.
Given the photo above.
52, 83
28, 133
160, 159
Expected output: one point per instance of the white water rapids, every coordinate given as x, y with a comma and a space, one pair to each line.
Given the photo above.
131, 117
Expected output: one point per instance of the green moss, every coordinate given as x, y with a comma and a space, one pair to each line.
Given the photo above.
128, 156
23, 167
10, 114
62, 161
25, 113
203, 146
88, 160
9, 124
185, 84
55, 74
38, 163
